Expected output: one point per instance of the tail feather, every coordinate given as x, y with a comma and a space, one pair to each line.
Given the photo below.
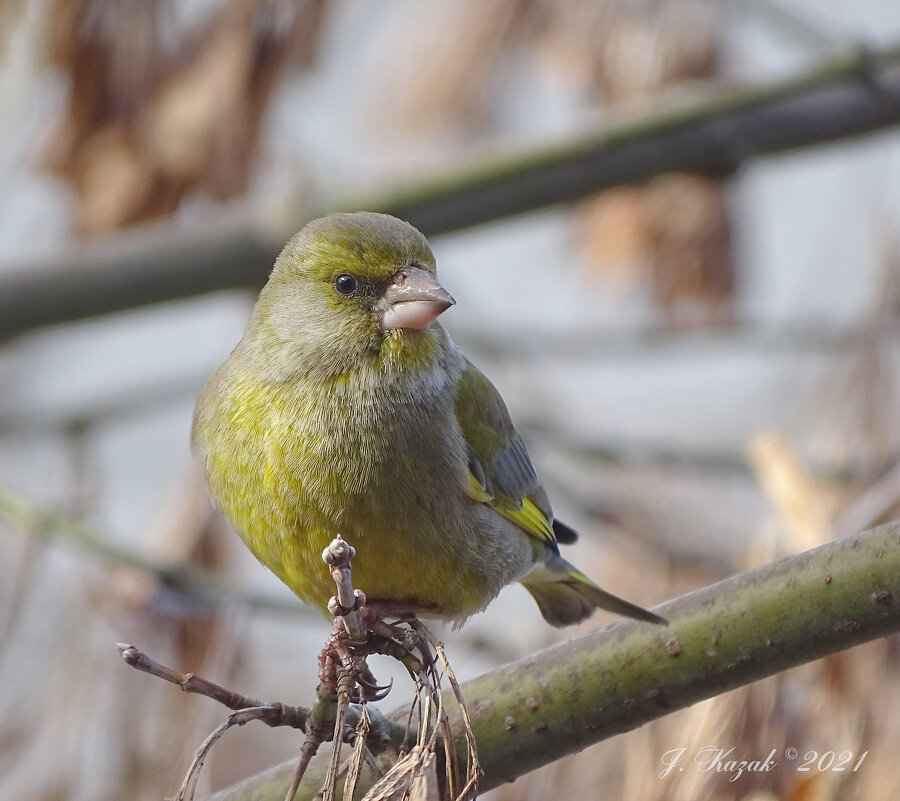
566, 596
565, 535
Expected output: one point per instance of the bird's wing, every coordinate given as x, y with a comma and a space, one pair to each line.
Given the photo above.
500, 471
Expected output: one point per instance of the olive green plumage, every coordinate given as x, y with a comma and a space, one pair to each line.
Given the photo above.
347, 411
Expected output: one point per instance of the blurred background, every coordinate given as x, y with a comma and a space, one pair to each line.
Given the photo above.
703, 363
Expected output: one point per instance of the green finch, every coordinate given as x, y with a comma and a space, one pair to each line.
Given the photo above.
346, 410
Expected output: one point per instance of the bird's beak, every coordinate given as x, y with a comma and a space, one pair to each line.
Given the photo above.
412, 300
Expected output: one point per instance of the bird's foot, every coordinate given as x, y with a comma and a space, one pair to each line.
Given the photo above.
361, 628
344, 656
343, 667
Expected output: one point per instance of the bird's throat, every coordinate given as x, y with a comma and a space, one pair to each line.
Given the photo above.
408, 349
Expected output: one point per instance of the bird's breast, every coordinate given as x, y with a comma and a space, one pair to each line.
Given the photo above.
295, 464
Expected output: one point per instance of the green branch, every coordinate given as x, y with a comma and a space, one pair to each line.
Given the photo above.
721, 637
195, 584
852, 95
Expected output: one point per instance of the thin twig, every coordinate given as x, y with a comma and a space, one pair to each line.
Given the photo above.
319, 727
307, 752
343, 672
345, 687
473, 769
194, 583
239, 718
272, 714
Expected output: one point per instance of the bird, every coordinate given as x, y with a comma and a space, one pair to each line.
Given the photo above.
347, 411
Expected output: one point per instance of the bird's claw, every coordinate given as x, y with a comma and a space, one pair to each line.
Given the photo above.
400, 642
369, 691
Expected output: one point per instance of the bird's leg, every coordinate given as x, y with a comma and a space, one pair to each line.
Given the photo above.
351, 640
343, 655
330, 657
361, 628
386, 627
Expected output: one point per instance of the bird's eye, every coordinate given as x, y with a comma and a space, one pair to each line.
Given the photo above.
345, 284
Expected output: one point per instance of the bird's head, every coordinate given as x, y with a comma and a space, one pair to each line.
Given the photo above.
351, 290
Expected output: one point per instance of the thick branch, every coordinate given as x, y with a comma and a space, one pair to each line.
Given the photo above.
745, 628
852, 95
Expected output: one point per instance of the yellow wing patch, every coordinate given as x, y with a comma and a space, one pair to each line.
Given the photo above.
525, 515
477, 492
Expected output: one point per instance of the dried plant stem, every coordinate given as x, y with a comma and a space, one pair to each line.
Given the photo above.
343, 701
354, 766
473, 768
433, 679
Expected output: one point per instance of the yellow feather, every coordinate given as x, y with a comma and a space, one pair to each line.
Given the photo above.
477, 492
526, 516
529, 518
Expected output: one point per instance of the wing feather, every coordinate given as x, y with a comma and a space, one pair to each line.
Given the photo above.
501, 473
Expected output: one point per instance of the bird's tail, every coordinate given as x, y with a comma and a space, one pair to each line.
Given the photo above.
565, 596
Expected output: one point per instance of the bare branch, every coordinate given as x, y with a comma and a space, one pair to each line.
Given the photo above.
851, 95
